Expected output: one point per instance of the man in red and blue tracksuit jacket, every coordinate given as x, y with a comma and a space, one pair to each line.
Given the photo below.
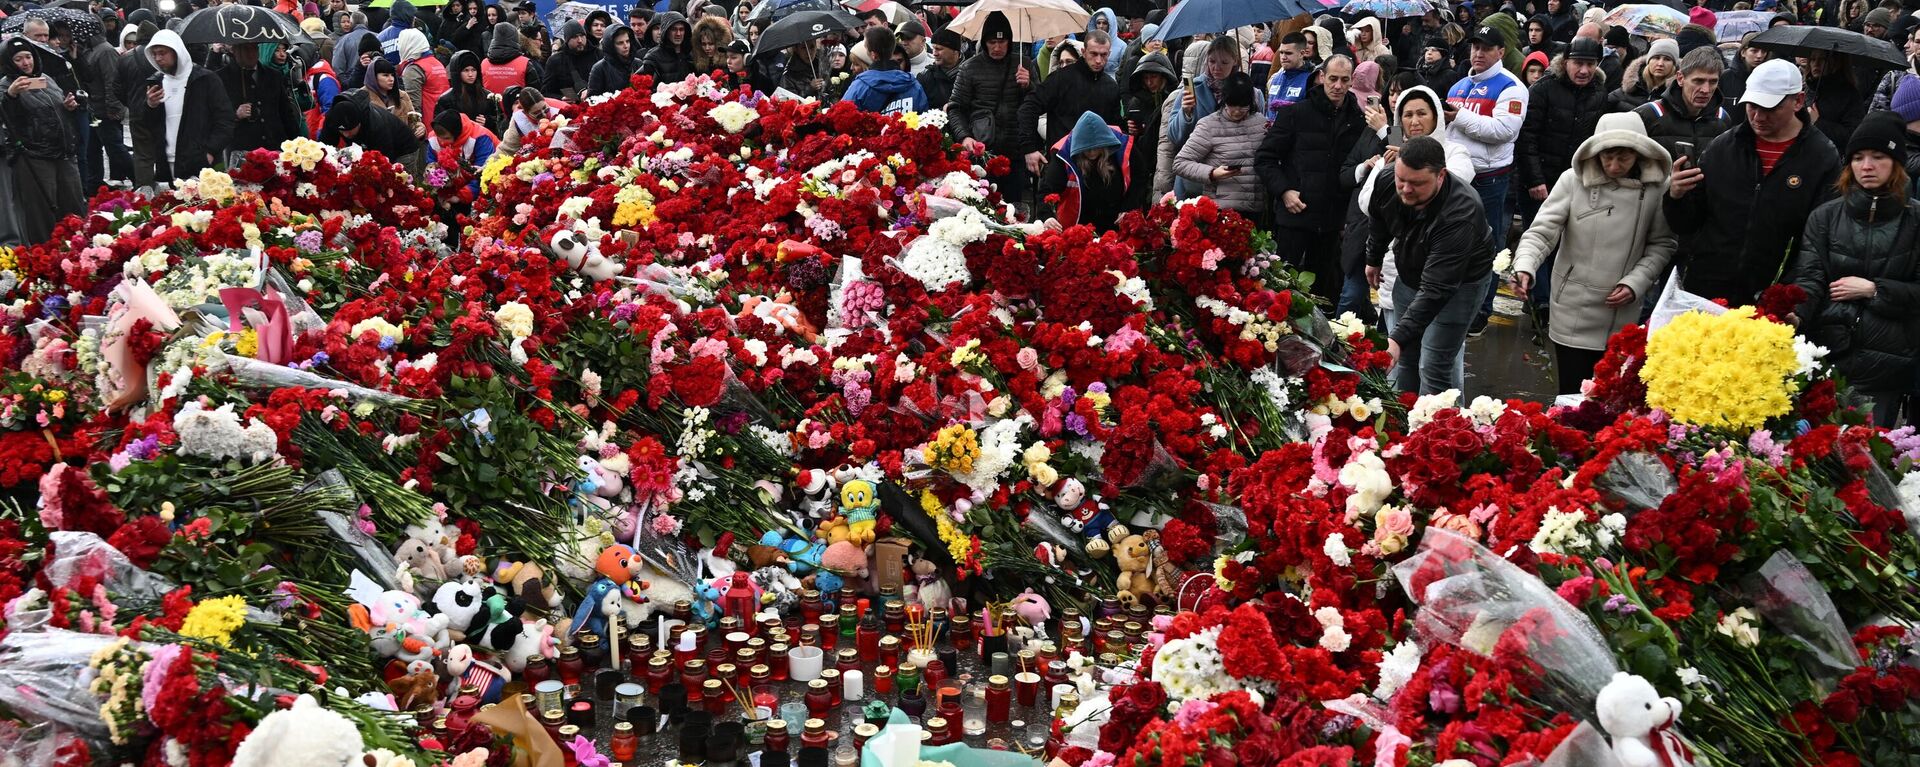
1484, 113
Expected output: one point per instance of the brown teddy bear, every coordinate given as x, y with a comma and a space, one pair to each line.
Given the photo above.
1135, 556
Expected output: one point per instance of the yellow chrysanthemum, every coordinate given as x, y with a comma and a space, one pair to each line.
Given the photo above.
7, 259
635, 213
959, 545
248, 343
1729, 370
953, 449
490, 172
215, 620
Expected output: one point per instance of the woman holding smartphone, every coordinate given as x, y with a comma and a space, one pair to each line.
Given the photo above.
45, 183
1218, 156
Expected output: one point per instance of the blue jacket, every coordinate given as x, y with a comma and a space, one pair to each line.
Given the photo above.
887, 91
1287, 87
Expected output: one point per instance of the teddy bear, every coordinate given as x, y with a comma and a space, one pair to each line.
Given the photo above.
305, 733
930, 589
1135, 557
429, 553
419, 688
527, 583
1641, 723
781, 313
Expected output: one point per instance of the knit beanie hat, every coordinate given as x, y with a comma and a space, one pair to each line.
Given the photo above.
1906, 99
1881, 132
1664, 47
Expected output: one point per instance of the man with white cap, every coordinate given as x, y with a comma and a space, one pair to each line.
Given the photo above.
1741, 206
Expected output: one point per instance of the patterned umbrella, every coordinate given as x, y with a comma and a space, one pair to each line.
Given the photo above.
84, 26
1389, 9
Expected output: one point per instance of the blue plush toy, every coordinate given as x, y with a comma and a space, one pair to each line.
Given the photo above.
706, 603
590, 616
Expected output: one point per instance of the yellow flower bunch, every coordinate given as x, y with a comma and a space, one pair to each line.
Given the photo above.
7, 260
959, 544
1730, 370
490, 172
215, 620
248, 344
953, 449
635, 212
215, 186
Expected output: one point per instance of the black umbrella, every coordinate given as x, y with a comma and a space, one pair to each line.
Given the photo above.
1805, 41
779, 9
241, 24
802, 27
84, 26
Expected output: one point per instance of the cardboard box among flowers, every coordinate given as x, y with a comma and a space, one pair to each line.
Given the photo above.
714, 400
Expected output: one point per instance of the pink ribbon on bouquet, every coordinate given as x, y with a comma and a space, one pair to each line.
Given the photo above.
276, 337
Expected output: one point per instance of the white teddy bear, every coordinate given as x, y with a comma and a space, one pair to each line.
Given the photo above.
1641, 723
303, 734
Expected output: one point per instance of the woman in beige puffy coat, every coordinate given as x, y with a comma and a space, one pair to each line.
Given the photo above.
1218, 156
1606, 218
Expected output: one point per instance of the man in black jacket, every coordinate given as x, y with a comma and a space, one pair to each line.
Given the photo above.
1739, 210
987, 95
1062, 98
938, 77
104, 91
263, 111
188, 119
1689, 111
571, 68
1443, 249
1299, 164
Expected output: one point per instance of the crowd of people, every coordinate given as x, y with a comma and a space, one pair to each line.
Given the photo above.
1391, 158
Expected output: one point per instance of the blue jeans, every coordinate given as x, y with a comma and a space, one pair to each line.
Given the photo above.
1434, 365
1354, 296
1493, 198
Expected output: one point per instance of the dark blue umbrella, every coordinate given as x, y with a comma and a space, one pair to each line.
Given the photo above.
1195, 17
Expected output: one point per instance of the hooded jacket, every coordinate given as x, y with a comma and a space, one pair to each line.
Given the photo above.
1356, 175
1113, 29
36, 120
1609, 232
1302, 152
325, 87
1087, 198
716, 29
1374, 50
101, 65
666, 62
400, 18
422, 76
473, 101
507, 65
379, 130
1738, 227
613, 71
1872, 341
987, 97
474, 147
1143, 107
568, 70
887, 91
1560, 115
194, 125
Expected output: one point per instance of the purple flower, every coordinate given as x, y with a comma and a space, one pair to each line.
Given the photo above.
731, 423
309, 241
436, 176
53, 306
1077, 424
144, 448
386, 343
805, 273
1619, 604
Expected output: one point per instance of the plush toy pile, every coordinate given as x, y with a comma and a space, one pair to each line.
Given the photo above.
297, 449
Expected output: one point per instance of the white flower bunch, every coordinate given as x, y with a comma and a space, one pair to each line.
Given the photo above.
1366, 475
935, 262
198, 282
1397, 668
1740, 626
999, 451
302, 152
733, 116
1430, 405
514, 319
1561, 532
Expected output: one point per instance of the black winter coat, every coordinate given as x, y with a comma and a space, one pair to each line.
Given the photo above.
938, 83
612, 72
569, 71
1737, 228
1667, 122
664, 62
1062, 98
1143, 106
1873, 341
986, 101
1841, 104
275, 118
1302, 152
1438, 249
206, 124
1560, 115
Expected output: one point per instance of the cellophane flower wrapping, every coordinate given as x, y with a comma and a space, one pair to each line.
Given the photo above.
1475, 600
1637, 479
38, 678
1795, 603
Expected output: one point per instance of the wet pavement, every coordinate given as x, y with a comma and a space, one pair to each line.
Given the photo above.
1511, 360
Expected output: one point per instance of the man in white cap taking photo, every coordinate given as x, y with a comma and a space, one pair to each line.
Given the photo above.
1739, 203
